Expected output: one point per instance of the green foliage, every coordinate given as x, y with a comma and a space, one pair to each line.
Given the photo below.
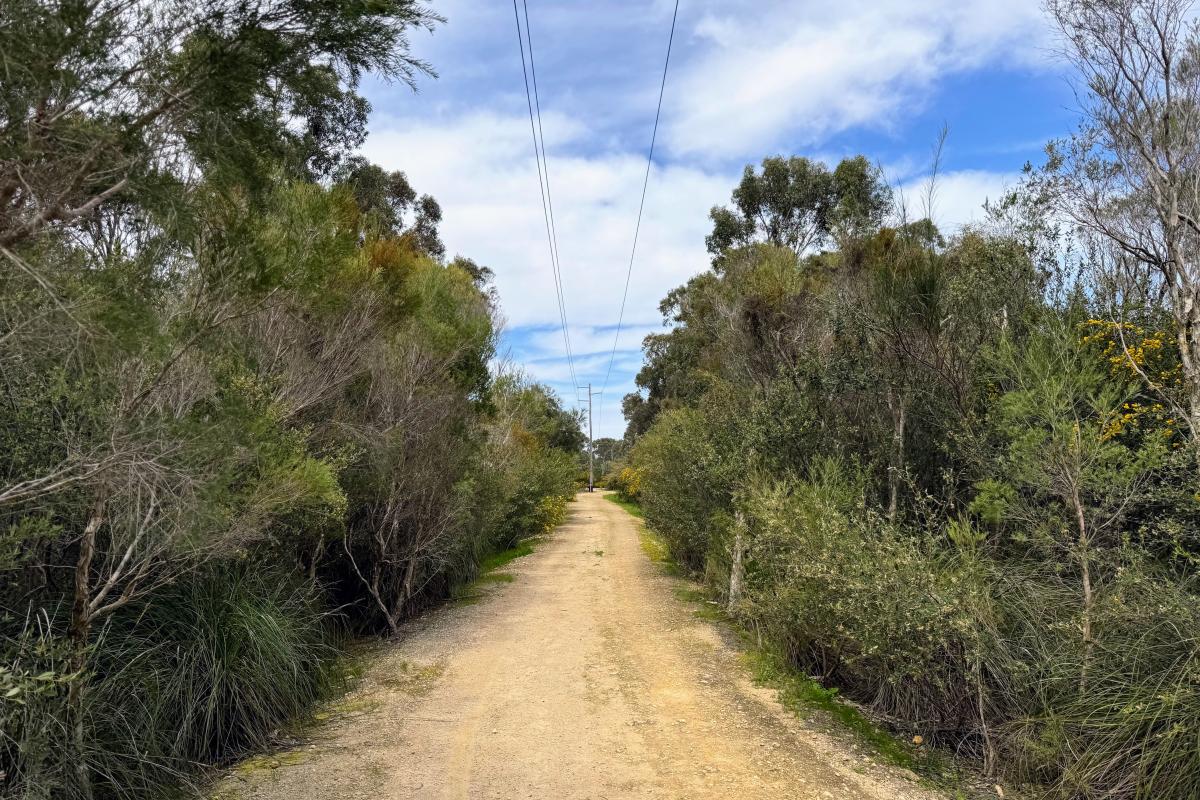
799, 204
678, 493
528, 464
239, 394
195, 673
627, 482
387, 198
962, 496
855, 601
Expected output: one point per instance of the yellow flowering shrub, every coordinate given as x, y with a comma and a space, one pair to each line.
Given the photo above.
628, 483
1143, 357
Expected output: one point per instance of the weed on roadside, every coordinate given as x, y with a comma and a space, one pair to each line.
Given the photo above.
470, 593
411, 678
497, 560
656, 550
632, 508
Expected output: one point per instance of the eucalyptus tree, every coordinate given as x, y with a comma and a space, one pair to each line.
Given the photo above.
800, 204
106, 99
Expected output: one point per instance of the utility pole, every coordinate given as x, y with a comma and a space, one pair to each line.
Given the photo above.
591, 448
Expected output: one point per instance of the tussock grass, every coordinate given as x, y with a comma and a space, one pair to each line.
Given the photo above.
195, 674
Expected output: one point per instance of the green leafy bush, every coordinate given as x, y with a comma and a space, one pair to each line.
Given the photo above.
943, 642
244, 385
679, 494
948, 477
851, 598
627, 482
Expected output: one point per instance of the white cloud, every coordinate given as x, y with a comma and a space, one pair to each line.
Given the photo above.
557, 371
548, 343
480, 167
774, 75
958, 196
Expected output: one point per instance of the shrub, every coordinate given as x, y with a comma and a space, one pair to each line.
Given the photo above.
196, 673
541, 483
938, 639
850, 598
678, 493
627, 482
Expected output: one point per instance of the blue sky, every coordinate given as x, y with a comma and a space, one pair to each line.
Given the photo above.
749, 78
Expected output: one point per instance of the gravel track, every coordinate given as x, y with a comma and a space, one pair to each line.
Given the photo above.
584, 677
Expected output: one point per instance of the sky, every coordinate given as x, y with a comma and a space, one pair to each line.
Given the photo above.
747, 79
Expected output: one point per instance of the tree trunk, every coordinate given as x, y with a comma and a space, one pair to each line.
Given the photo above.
1085, 576
737, 569
1184, 306
406, 592
1191, 376
410, 571
81, 628
989, 750
315, 560
898, 405
1185, 303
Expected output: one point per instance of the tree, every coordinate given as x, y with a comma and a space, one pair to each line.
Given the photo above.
141, 148
1131, 176
114, 98
800, 204
609, 451
388, 197
905, 317
1067, 474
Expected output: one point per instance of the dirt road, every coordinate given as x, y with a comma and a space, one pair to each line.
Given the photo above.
584, 677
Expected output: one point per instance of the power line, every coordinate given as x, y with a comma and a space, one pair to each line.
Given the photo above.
537, 105
641, 205
539, 153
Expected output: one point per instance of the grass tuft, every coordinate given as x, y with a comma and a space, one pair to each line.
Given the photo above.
497, 560
197, 673
471, 593
631, 507
413, 679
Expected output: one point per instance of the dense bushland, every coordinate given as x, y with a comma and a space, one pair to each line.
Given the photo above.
955, 476
246, 407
